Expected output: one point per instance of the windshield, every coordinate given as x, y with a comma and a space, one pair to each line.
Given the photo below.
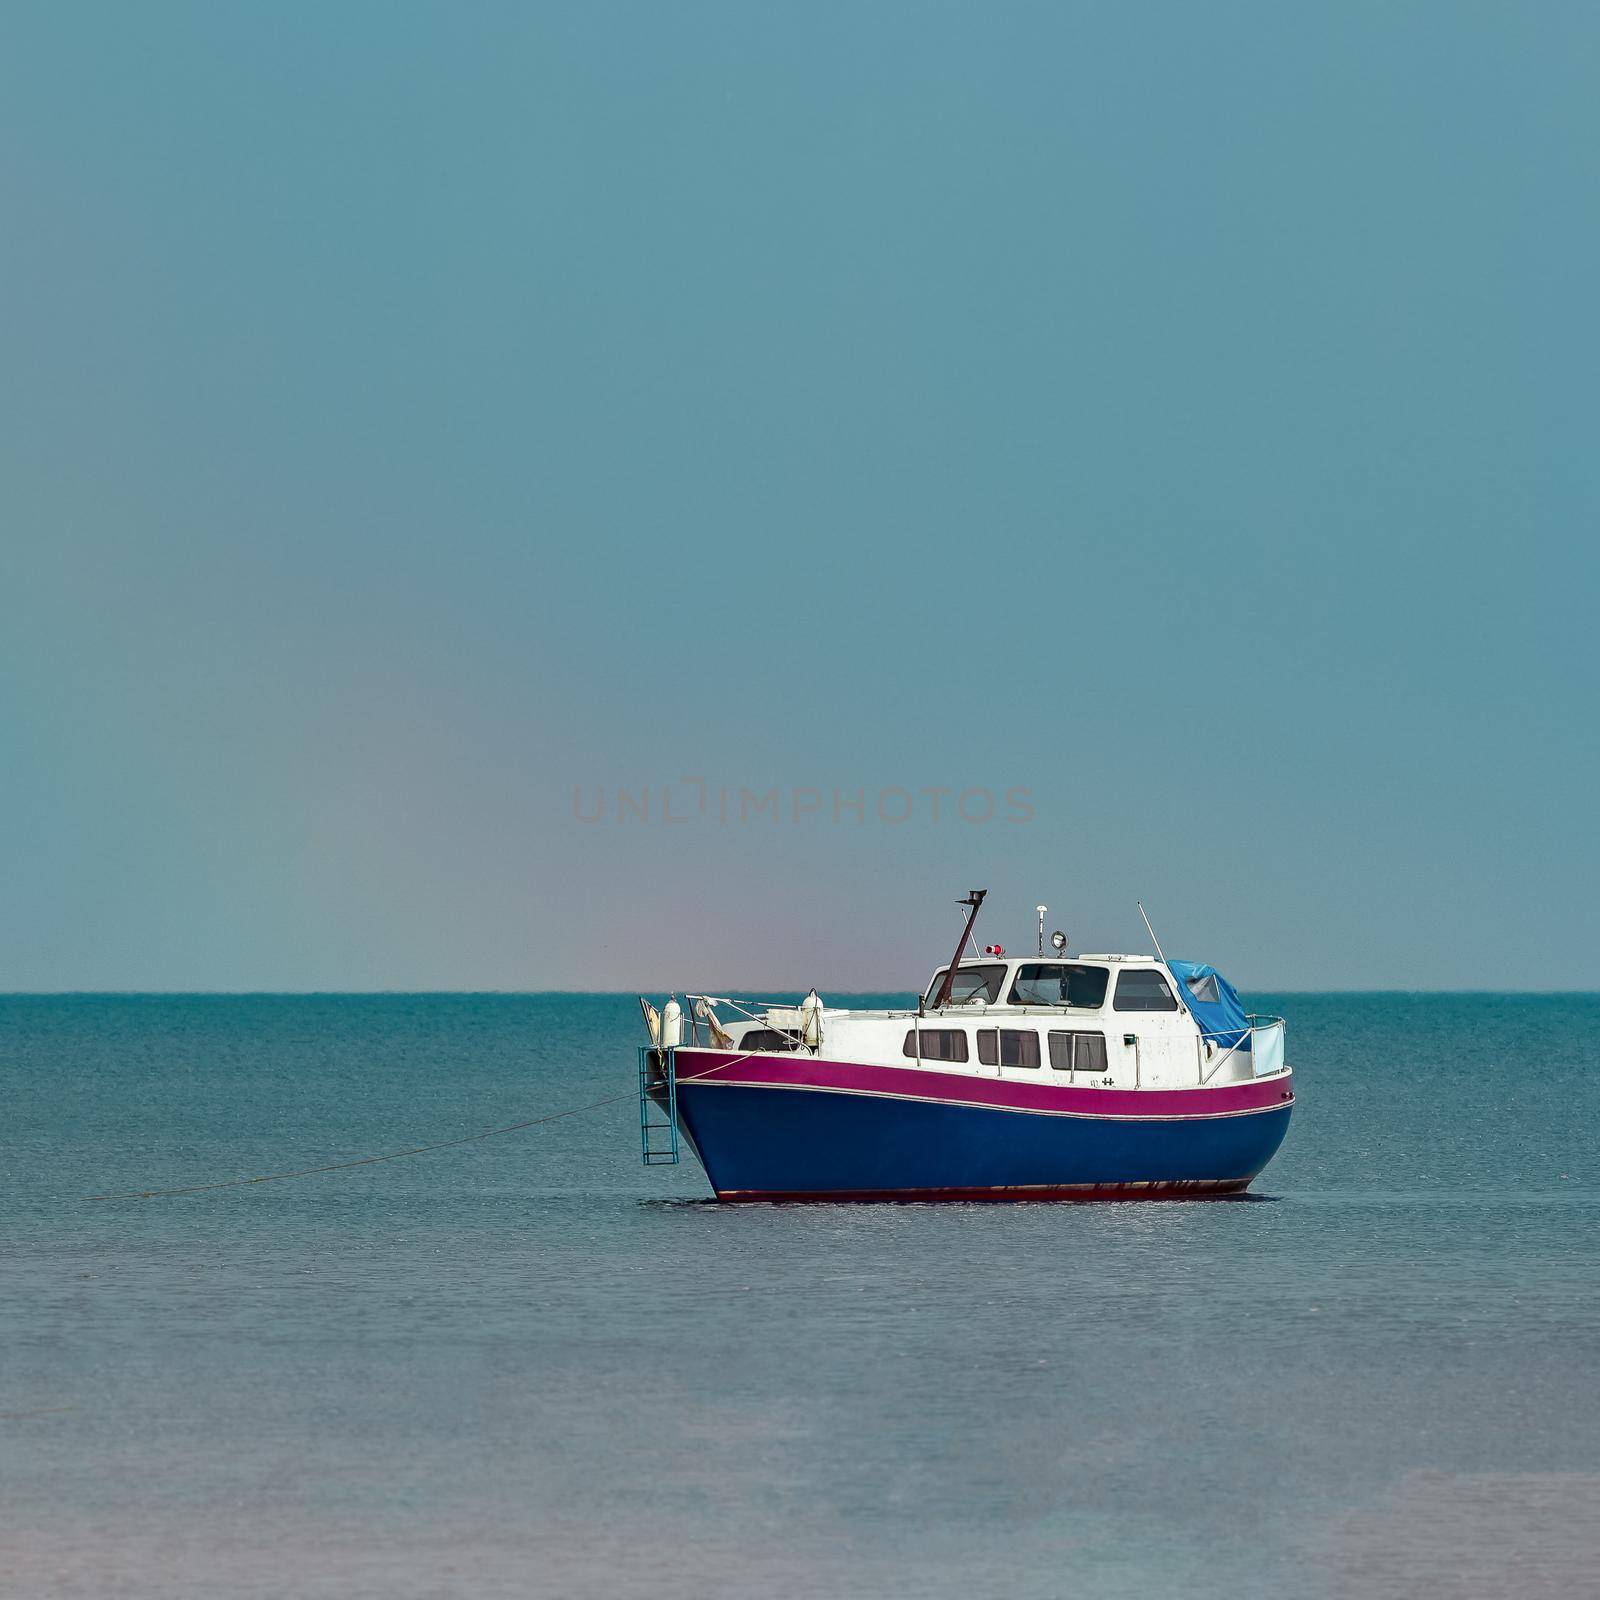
972, 985
1144, 989
1049, 983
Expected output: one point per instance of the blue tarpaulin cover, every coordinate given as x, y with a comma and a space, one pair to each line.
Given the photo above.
1214, 1002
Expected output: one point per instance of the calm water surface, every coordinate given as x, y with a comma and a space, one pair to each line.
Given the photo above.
530, 1366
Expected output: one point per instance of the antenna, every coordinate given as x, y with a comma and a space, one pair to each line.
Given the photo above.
1151, 931
1160, 952
1041, 910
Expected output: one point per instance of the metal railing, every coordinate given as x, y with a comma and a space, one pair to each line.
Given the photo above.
1266, 1057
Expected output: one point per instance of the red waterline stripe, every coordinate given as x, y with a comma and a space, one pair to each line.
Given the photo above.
1173, 1189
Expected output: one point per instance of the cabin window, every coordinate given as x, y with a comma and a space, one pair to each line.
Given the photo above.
971, 984
1058, 984
1078, 1052
1008, 1047
1144, 989
1204, 989
767, 1039
938, 1044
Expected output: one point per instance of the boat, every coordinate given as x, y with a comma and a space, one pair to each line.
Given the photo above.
1042, 1077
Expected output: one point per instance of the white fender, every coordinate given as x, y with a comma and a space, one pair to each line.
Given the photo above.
671, 1024
811, 1021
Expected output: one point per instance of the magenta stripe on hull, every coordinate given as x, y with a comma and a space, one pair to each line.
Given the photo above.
912, 1083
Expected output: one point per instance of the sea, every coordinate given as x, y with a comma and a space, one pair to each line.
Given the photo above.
527, 1365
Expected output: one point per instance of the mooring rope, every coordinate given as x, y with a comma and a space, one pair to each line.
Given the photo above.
366, 1161
398, 1155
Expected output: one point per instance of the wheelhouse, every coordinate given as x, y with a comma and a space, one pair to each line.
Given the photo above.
1124, 983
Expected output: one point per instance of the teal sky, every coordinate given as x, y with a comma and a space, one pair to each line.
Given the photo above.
413, 413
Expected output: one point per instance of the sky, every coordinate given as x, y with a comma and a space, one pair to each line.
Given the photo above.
1162, 437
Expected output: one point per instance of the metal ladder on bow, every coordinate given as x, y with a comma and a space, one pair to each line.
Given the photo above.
658, 1122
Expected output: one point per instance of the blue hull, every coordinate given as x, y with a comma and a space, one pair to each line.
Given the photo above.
759, 1143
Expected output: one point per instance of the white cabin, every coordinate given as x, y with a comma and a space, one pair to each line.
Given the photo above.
1107, 1021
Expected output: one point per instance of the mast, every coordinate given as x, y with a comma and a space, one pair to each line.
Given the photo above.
974, 899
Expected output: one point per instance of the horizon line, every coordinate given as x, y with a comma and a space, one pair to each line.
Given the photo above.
739, 990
